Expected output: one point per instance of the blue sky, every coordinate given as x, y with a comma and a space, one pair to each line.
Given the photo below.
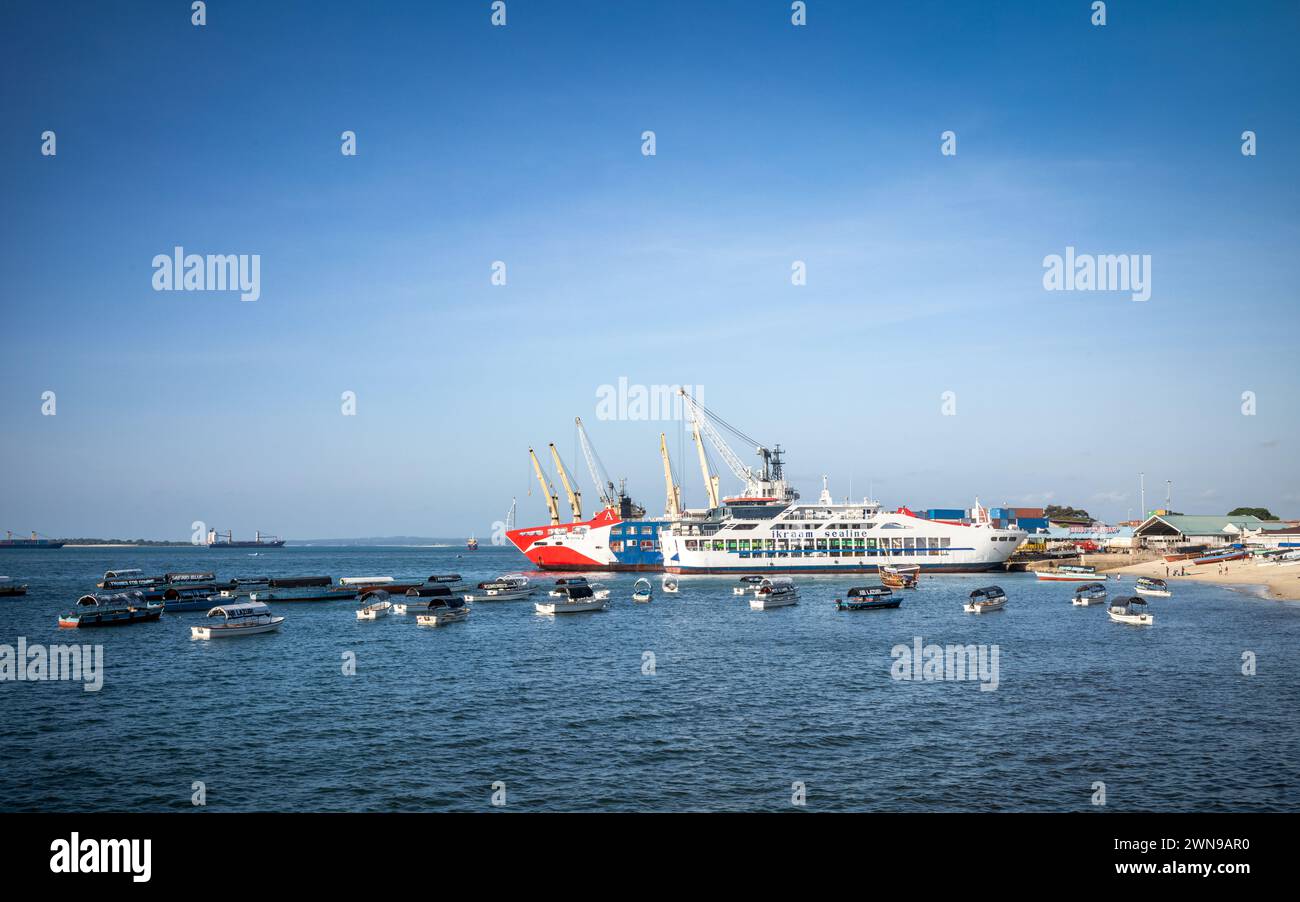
523, 144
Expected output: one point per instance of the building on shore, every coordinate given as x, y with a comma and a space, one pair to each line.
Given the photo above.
1165, 531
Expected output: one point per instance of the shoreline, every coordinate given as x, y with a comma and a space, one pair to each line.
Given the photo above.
1280, 583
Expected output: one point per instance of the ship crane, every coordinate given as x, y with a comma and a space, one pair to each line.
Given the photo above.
604, 485
710, 480
673, 504
768, 482
575, 496
548, 491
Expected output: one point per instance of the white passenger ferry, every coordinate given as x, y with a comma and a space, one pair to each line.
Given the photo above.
775, 533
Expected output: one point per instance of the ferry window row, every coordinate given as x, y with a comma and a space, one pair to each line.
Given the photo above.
908, 545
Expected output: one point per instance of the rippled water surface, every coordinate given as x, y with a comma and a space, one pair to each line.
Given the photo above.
741, 704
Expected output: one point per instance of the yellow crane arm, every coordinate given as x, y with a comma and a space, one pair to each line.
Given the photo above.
575, 497
673, 506
710, 481
552, 502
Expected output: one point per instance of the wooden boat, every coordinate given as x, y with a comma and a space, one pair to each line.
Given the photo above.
118, 609
1093, 593
1185, 553
641, 591
1222, 557
297, 588
442, 610
573, 599
376, 605
246, 618
503, 588
899, 577
746, 585
1148, 585
669, 585
1068, 574
982, 601
777, 592
1130, 610
11, 589
868, 598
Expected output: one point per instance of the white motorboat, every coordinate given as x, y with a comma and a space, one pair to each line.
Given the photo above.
443, 610
777, 592
1130, 610
503, 588
747, 585
572, 600
243, 619
669, 585
982, 601
1093, 593
641, 591
1151, 586
378, 606
600, 590
1068, 574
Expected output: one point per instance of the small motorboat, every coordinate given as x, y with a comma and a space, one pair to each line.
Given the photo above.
376, 605
989, 598
563, 584
1130, 610
424, 596
1148, 585
746, 585
868, 598
776, 592
641, 591
241, 619
117, 609
900, 576
503, 588
669, 585
11, 589
1093, 593
442, 610
600, 590
572, 599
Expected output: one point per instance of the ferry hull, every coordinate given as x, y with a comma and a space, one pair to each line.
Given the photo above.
605, 543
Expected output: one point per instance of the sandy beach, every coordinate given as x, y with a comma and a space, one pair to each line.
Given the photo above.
1282, 582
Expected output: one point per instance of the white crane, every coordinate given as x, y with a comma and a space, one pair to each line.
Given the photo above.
604, 485
765, 483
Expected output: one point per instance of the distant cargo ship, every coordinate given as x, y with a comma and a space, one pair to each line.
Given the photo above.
215, 540
34, 542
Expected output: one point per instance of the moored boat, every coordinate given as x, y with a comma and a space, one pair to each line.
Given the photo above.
669, 585
982, 601
297, 588
11, 589
1093, 593
641, 591
503, 588
1221, 557
1068, 574
868, 598
776, 592
117, 609
1148, 585
899, 576
375, 605
245, 618
746, 585
571, 599
176, 599
424, 596
442, 610
1130, 610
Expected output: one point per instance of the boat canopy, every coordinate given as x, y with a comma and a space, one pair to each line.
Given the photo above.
1089, 587
775, 581
115, 574
751, 579
451, 603
364, 580
869, 592
641, 582
238, 611
299, 582
429, 592
375, 595
189, 577
1152, 582
444, 578
110, 599
172, 593
987, 593
572, 581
